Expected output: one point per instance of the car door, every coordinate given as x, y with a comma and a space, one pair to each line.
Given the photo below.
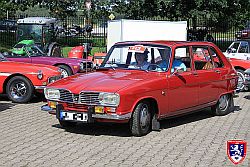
207, 75
183, 84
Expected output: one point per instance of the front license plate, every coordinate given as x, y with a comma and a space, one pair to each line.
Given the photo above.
72, 116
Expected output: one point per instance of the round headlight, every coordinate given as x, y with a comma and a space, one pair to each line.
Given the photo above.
52, 94
40, 75
110, 99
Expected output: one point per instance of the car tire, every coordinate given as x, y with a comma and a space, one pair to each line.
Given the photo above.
140, 123
240, 85
19, 89
66, 71
67, 124
224, 105
56, 51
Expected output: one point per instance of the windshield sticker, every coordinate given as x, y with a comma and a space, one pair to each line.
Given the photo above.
137, 48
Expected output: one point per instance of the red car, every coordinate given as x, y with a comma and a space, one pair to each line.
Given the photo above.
21, 80
240, 66
141, 83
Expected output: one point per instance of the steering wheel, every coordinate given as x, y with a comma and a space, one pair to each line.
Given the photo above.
154, 67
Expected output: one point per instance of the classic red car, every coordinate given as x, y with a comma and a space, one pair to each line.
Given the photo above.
21, 80
143, 82
240, 66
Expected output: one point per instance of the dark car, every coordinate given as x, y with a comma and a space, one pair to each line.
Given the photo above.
8, 25
247, 78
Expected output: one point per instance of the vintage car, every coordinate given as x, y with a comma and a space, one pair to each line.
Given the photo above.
247, 78
239, 49
240, 66
36, 56
20, 81
141, 83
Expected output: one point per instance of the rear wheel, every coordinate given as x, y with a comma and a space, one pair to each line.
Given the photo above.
19, 89
56, 51
224, 105
241, 80
140, 122
66, 71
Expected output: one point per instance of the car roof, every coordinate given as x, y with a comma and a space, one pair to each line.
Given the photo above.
167, 43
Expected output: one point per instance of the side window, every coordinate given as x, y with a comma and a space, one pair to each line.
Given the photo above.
202, 58
216, 59
182, 60
244, 47
234, 47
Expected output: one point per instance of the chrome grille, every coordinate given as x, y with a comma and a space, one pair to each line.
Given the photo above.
90, 98
66, 96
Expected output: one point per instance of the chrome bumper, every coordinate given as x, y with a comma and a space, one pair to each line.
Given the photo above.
97, 116
40, 87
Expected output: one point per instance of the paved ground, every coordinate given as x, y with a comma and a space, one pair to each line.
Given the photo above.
31, 137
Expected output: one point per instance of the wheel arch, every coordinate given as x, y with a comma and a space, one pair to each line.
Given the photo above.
239, 67
11, 76
57, 64
152, 101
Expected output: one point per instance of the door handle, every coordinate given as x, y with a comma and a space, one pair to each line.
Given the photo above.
195, 74
217, 71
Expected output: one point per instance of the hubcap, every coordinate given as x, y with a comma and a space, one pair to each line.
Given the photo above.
18, 90
64, 73
241, 80
223, 102
144, 118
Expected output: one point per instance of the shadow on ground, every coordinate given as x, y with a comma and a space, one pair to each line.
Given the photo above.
122, 130
35, 99
247, 97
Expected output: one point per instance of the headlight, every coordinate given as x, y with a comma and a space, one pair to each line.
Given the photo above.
40, 74
111, 99
247, 75
52, 94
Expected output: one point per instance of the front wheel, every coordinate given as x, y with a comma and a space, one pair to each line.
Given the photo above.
66, 71
241, 80
140, 122
19, 89
224, 105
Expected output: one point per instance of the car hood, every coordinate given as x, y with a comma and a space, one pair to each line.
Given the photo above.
17, 67
102, 81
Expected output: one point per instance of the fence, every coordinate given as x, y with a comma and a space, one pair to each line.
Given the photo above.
76, 31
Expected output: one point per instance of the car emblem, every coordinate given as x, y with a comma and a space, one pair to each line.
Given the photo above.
236, 150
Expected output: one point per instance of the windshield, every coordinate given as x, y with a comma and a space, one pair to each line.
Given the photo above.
138, 57
33, 50
30, 31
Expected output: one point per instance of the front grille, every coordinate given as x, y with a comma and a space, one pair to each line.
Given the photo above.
90, 98
66, 96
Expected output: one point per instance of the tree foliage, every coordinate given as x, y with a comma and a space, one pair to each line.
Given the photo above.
218, 11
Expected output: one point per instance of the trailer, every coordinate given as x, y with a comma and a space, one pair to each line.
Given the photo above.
142, 30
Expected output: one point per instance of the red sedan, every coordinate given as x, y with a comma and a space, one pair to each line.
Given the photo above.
143, 82
20, 81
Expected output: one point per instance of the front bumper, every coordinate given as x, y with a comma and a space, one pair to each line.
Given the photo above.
91, 114
40, 87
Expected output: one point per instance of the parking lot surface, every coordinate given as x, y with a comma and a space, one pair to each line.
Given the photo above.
31, 137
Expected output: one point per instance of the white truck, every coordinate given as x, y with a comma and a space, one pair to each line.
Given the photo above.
141, 30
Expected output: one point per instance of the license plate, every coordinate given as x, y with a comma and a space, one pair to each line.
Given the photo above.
72, 116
